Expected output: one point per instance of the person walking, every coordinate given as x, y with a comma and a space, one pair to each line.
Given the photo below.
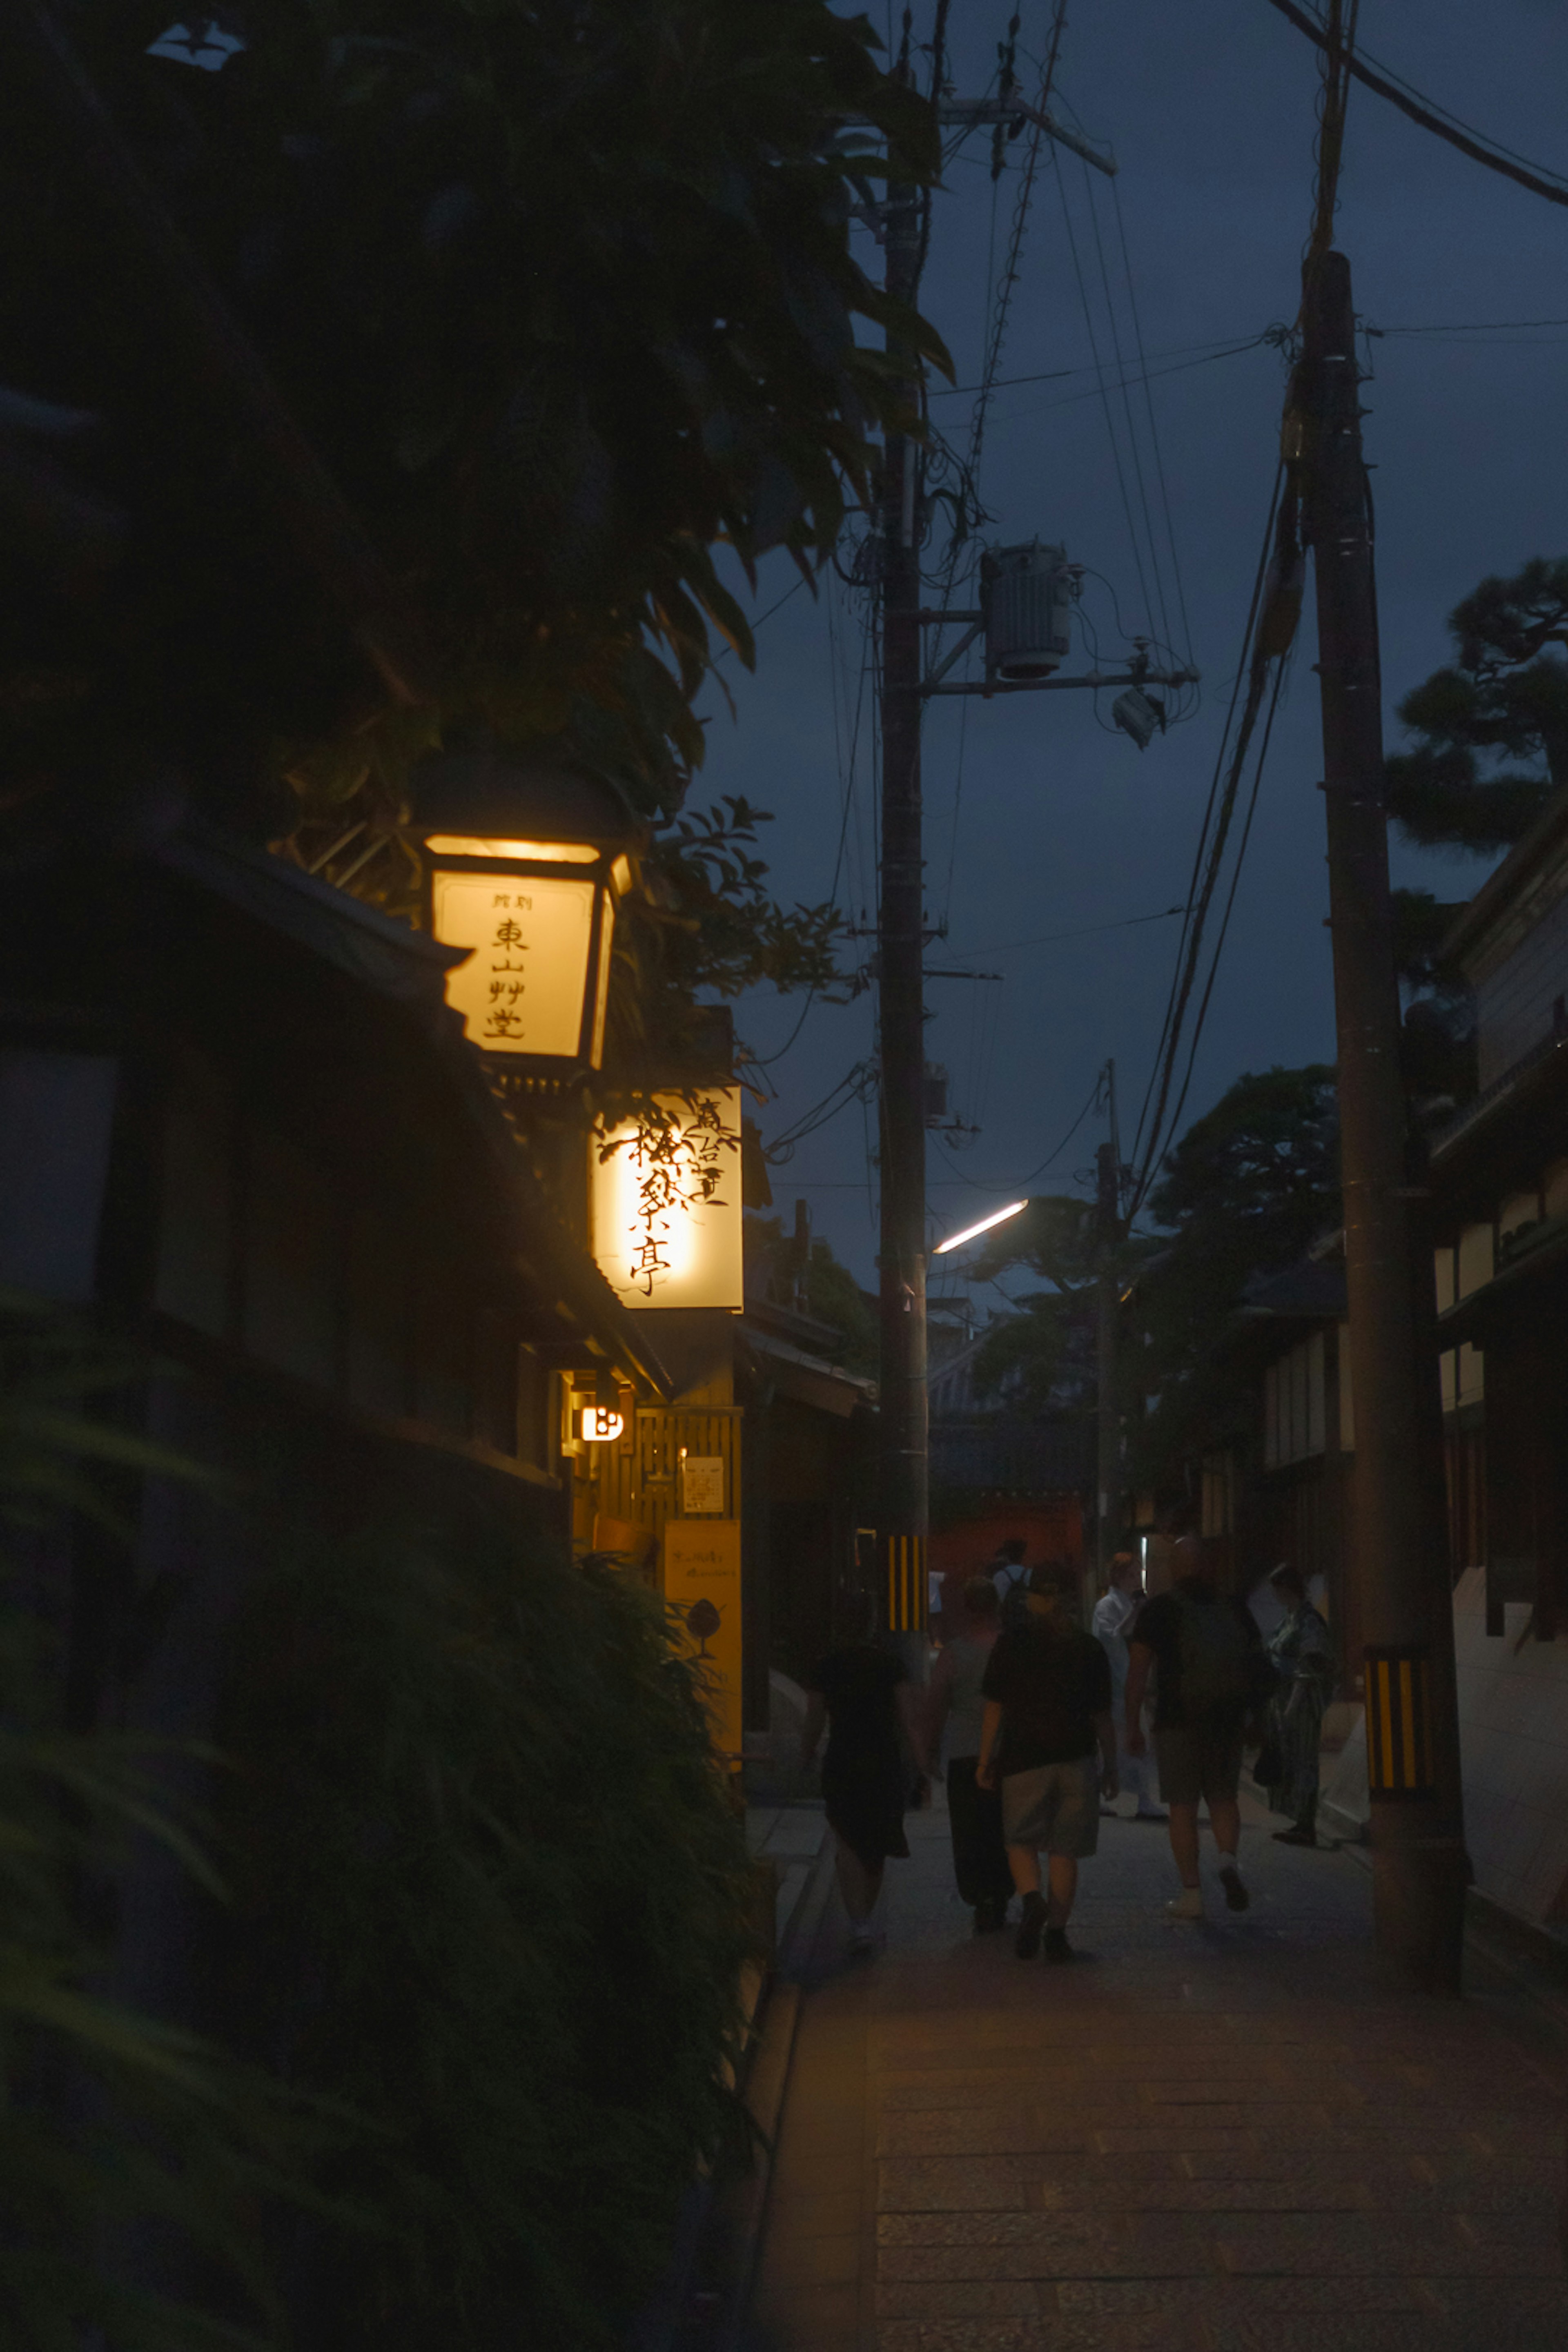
1113, 1612
1046, 1688
953, 1703
1010, 1577
1302, 1652
864, 1696
1213, 1676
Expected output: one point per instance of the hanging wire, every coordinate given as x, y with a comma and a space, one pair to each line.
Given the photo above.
1154, 427
1152, 1115
1280, 677
1280, 560
1479, 146
1124, 387
1102, 392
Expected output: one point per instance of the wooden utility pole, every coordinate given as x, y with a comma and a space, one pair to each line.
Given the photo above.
1400, 1548
903, 1503
904, 1484
1108, 1239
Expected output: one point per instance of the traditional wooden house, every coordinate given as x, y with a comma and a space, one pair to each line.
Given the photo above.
1499, 1181
238, 1119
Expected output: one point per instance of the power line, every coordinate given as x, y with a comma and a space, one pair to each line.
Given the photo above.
1280, 678
1153, 428
1084, 931
1206, 860
1123, 387
1103, 392
756, 624
1473, 143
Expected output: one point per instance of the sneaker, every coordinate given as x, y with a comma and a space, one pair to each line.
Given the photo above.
1298, 1835
1187, 1905
1031, 1926
1057, 1948
1236, 1893
1147, 1814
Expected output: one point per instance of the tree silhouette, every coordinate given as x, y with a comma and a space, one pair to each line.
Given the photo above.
1502, 699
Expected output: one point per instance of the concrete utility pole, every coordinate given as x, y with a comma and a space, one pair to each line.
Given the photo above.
904, 1481
1400, 1548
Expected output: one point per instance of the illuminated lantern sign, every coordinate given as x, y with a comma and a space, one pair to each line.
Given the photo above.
666, 1204
525, 867
598, 1425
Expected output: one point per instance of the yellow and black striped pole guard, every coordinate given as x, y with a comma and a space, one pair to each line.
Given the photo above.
1399, 1722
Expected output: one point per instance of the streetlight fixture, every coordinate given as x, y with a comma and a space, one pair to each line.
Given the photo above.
525, 865
997, 1217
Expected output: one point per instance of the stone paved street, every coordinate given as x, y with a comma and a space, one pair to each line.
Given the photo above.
1214, 2138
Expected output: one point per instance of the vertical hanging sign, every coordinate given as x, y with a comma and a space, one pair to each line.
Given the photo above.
666, 1204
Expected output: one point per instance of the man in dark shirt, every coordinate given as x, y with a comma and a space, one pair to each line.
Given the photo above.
1047, 1708
1211, 1673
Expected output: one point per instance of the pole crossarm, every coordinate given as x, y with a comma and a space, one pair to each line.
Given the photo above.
1047, 684
973, 111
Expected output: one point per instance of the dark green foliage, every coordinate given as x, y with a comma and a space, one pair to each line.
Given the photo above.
1040, 1357
818, 1284
493, 1899
706, 925
1504, 698
563, 297
1246, 1191
1043, 1359
1257, 1176
1437, 1051
1056, 1235
132, 2154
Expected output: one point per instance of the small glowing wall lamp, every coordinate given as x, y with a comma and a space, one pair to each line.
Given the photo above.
997, 1217
597, 1425
525, 867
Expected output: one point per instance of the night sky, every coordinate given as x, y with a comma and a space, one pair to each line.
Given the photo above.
1209, 108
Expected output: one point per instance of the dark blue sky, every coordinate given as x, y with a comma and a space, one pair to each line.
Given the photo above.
1209, 107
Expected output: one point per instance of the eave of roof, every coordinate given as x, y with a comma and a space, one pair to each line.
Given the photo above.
399, 962
1497, 895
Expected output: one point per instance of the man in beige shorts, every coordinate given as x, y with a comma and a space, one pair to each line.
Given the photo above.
1046, 1689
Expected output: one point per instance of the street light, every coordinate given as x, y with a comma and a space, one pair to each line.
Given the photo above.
525, 865
997, 1217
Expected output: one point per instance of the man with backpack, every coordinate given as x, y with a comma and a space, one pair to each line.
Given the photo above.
1214, 1673
1011, 1578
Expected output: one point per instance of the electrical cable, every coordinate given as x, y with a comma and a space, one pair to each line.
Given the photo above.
1124, 387
1204, 866
756, 624
1280, 676
1102, 391
1282, 551
1176, 351
1088, 930
1154, 427
1473, 143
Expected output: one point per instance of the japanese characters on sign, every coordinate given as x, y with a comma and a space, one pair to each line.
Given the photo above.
702, 1584
521, 989
701, 1483
666, 1204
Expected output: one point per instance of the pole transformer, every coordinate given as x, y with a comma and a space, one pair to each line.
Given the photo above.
903, 1503
1399, 1549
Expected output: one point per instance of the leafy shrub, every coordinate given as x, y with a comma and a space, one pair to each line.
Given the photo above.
134, 2157
493, 1899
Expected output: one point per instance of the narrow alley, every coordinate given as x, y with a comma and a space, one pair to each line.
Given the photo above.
1213, 2138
